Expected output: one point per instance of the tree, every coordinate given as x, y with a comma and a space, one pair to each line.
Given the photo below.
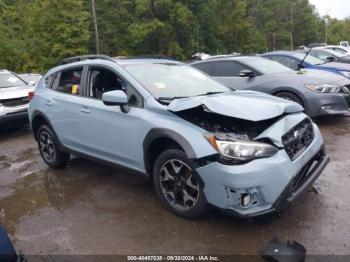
39, 41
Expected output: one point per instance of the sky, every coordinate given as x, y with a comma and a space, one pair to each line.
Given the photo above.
335, 8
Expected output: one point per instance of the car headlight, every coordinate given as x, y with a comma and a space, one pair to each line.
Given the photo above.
324, 88
345, 73
1, 105
240, 150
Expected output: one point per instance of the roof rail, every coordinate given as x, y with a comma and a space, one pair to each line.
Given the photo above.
84, 57
151, 57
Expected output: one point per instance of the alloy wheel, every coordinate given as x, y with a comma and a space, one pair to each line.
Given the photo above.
46, 146
179, 185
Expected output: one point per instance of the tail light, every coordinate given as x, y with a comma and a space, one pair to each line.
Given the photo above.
30, 95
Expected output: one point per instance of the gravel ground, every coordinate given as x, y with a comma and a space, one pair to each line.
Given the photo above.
88, 208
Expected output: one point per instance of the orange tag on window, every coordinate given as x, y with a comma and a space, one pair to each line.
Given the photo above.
75, 89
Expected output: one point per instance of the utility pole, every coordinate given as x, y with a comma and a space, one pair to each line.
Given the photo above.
291, 26
197, 37
326, 30
326, 20
94, 18
326, 33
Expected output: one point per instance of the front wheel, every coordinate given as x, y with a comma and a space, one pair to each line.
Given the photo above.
290, 96
178, 185
49, 148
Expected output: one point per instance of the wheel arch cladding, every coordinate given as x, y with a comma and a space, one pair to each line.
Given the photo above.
159, 139
39, 119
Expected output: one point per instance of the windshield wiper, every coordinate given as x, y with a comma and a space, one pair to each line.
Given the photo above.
164, 98
211, 93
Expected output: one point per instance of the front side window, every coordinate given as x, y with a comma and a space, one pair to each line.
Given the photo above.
266, 66
169, 80
10, 80
103, 80
320, 55
228, 69
205, 67
339, 50
286, 61
69, 81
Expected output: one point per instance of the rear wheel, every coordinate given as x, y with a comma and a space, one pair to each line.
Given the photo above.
178, 185
290, 96
49, 148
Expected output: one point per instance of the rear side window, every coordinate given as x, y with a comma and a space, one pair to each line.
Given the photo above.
228, 69
49, 80
205, 67
69, 81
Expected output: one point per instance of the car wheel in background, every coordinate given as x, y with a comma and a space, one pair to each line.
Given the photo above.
290, 96
178, 186
49, 149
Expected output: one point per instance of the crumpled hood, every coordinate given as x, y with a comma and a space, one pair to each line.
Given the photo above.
15, 92
248, 105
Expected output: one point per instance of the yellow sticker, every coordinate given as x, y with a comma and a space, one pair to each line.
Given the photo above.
75, 89
160, 85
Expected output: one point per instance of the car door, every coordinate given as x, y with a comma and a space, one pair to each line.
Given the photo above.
227, 72
110, 132
62, 105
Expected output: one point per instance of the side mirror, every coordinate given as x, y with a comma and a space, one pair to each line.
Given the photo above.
247, 73
330, 59
115, 98
31, 83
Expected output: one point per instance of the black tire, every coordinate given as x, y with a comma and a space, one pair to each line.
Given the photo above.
50, 152
291, 97
191, 188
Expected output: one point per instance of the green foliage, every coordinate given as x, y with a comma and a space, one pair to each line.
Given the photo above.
36, 34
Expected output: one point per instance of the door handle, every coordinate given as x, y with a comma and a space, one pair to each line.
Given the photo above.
49, 102
85, 110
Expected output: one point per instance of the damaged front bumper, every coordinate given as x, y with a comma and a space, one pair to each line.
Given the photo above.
264, 185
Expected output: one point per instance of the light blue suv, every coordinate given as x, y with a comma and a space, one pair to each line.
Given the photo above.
201, 143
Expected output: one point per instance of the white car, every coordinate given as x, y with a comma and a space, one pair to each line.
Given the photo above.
31, 78
340, 49
14, 100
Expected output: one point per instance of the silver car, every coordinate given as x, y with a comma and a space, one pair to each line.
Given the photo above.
13, 97
200, 142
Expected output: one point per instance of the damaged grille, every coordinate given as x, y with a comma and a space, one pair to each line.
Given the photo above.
217, 123
15, 102
298, 138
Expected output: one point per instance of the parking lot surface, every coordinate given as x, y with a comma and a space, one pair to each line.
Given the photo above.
89, 208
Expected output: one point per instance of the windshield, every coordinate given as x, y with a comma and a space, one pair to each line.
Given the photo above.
309, 59
167, 81
10, 80
266, 66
